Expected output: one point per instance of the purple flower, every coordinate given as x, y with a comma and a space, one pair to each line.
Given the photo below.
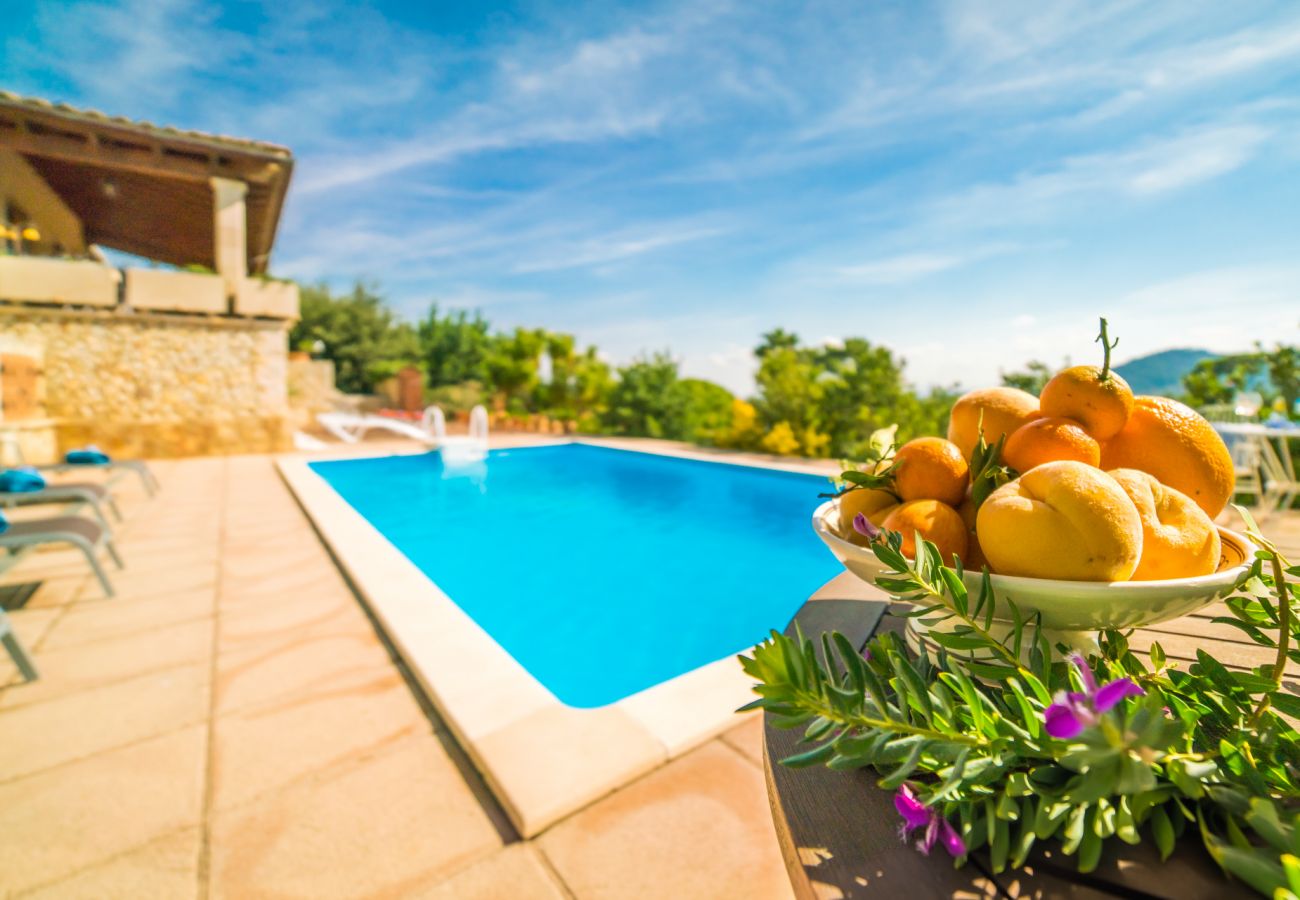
862, 525
917, 815
1072, 711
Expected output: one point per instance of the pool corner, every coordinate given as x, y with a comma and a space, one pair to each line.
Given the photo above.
543, 760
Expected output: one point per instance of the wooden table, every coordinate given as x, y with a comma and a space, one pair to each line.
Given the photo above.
839, 832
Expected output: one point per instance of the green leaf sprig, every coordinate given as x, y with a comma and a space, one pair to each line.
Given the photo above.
875, 472
1204, 751
987, 471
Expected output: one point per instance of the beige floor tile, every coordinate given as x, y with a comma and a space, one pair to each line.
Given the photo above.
559, 759
171, 563
301, 664
282, 581
163, 869
38, 736
97, 620
242, 570
30, 626
270, 619
515, 872
696, 828
68, 669
267, 539
56, 559
318, 840
196, 522
263, 749
132, 583
60, 822
56, 591
167, 543
747, 737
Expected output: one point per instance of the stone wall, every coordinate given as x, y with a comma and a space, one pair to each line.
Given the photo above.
311, 389
153, 385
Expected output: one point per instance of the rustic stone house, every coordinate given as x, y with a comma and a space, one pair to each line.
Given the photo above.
183, 358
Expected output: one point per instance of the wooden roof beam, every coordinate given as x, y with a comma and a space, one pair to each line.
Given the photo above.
134, 154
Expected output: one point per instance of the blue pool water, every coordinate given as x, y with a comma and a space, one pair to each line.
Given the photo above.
603, 572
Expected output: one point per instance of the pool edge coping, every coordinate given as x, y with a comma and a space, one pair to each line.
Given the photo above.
542, 759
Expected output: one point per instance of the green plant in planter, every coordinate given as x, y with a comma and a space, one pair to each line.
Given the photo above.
1019, 746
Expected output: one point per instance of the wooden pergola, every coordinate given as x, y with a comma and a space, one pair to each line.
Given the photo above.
153, 191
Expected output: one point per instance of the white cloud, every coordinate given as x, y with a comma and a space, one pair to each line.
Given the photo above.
477, 131
1152, 166
1196, 66
133, 54
898, 269
1204, 156
609, 57
905, 268
612, 248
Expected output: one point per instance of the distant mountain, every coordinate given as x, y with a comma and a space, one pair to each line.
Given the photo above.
1161, 373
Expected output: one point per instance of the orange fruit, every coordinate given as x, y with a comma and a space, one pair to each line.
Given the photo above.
930, 468
874, 503
1178, 539
936, 521
1102, 406
1174, 443
1003, 410
1047, 440
1063, 520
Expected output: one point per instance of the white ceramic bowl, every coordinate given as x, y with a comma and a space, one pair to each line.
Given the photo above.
1073, 606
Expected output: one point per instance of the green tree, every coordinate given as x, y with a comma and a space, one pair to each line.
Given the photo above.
512, 362
1274, 373
776, 339
648, 400
593, 383
709, 410
790, 388
1203, 386
1283, 365
1035, 376
454, 347
864, 390
831, 398
357, 331
579, 386
1218, 380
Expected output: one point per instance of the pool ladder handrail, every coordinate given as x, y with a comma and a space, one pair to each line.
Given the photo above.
475, 443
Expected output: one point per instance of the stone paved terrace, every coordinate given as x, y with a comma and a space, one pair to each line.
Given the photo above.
230, 726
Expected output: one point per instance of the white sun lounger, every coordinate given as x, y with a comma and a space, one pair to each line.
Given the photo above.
350, 427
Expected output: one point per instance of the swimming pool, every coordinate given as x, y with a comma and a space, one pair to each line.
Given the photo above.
601, 571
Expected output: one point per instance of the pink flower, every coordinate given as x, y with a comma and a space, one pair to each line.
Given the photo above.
1072, 711
862, 525
917, 815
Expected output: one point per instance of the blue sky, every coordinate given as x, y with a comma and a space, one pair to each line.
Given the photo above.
970, 183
